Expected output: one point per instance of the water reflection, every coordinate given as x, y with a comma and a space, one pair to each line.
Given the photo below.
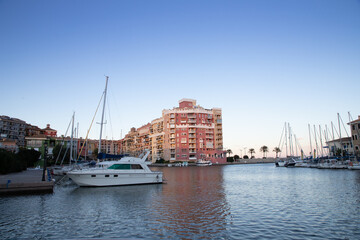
228, 202
193, 202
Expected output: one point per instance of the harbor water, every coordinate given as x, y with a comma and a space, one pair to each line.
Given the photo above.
218, 202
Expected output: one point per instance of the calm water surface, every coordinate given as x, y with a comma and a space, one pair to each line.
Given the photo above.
217, 202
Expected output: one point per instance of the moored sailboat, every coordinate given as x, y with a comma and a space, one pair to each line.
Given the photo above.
126, 171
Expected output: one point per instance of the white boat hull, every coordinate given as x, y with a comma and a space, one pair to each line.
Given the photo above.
354, 167
98, 179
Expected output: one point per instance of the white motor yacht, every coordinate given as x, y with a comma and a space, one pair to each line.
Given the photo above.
126, 171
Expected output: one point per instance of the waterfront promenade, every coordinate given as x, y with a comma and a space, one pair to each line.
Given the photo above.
25, 182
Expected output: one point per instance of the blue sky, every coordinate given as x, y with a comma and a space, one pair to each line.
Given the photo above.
263, 62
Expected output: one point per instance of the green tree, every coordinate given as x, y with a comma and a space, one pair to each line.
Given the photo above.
95, 153
28, 157
236, 157
264, 150
251, 151
277, 150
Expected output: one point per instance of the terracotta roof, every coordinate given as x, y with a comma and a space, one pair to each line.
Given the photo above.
355, 121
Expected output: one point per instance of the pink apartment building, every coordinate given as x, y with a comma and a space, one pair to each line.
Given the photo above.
192, 132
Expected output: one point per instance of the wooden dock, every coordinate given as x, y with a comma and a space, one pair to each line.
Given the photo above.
26, 182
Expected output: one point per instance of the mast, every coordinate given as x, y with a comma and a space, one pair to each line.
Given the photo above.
310, 140
72, 137
322, 153
316, 144
286, 147
102, 117
290, 143
77, 142
296, 149
341, 147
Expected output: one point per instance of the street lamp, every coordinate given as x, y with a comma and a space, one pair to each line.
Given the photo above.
45, 157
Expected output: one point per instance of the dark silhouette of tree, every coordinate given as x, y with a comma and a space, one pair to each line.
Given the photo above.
264, 150
251, 151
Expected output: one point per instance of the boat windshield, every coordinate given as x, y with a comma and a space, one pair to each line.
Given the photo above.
125, 166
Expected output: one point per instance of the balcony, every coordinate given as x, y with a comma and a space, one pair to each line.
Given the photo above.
192, 121
219, 120
192, 146
172, 136
192, 136
172, 115
192, 151
192, 131
191, 115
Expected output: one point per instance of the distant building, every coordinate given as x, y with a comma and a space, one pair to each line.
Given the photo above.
185, 133
9, 145
49, 131
343, 144
192, 132
355, 135
157, 139
13, 129
32, 130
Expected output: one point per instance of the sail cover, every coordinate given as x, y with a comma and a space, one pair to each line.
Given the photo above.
112, 156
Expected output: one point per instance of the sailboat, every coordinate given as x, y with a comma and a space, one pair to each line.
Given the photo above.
126, 171
289, 161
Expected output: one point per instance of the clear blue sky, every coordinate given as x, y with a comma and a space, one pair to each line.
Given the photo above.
263, 62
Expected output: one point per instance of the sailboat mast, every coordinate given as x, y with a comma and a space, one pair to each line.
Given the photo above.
290, 143
72, 138
341, 147
321, 143
316, 143
286, 146
103, 111
310, 140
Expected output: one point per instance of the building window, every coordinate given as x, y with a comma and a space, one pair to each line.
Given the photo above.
93, 175
107, 175
115, 175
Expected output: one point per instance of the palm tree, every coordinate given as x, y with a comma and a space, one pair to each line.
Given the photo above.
276, 150
264, 149
229, 152
251, 151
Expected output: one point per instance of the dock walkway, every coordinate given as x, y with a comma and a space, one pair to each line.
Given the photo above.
26, 182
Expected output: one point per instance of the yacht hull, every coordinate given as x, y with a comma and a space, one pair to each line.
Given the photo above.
114, 178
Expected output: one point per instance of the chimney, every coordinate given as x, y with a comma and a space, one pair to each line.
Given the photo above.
47, 125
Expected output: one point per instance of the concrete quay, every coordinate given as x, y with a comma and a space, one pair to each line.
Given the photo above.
239, 161
26, 182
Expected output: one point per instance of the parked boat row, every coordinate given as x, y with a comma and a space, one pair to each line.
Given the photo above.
321, 163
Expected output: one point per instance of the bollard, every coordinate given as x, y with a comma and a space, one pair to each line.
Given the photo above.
7, 184
49, 175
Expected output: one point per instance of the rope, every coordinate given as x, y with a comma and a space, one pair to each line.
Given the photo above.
87, 134
57, 158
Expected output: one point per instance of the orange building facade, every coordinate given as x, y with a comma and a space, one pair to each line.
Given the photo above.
185, 133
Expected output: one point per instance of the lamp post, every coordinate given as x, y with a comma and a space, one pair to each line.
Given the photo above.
45, 157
